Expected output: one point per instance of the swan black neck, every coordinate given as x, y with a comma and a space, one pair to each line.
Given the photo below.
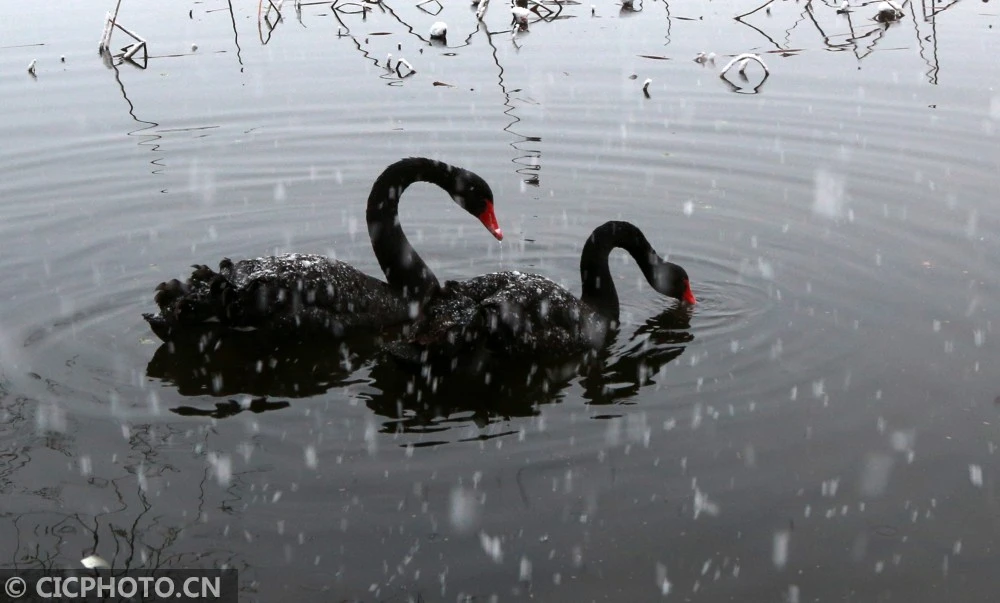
598, 286
404, 269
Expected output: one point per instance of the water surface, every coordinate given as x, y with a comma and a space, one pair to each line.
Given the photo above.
822, 427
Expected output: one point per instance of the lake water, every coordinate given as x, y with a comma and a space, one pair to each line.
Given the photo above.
822, 427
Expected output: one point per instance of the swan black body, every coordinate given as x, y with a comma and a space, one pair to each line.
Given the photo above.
306, 295
514, 314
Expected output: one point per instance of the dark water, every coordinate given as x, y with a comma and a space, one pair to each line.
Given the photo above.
823, 427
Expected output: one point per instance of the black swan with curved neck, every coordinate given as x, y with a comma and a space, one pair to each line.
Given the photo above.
312, 294
515, 313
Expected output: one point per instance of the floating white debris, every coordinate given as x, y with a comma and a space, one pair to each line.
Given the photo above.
95, 562
844, 8
704, 57
31, 67
439, 30
481, 11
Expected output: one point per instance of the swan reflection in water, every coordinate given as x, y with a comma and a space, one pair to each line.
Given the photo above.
217, 361
488, 388
250, 369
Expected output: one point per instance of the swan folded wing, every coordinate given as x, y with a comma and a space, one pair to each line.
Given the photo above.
509, 314
445, 321
312, 288
290, 292
527, 313
445, 330
554, 323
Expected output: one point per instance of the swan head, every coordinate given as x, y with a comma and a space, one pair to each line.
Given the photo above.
672, 280
474, 195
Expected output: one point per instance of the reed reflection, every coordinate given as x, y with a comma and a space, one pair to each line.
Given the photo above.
122, 499
855, 28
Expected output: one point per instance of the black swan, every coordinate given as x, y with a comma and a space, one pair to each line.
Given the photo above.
314, 295
519, 314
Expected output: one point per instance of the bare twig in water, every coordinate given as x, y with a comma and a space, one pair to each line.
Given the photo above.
440, 8
743, 59
110, 23
748, 13
354, 6
106, 34
538, 7
404, 63
270, 5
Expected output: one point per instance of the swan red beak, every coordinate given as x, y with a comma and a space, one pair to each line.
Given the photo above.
489, 220
688, 296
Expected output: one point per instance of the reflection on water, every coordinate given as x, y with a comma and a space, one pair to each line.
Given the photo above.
821, 426
146, 139
225, 363
112, 506
855, 29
